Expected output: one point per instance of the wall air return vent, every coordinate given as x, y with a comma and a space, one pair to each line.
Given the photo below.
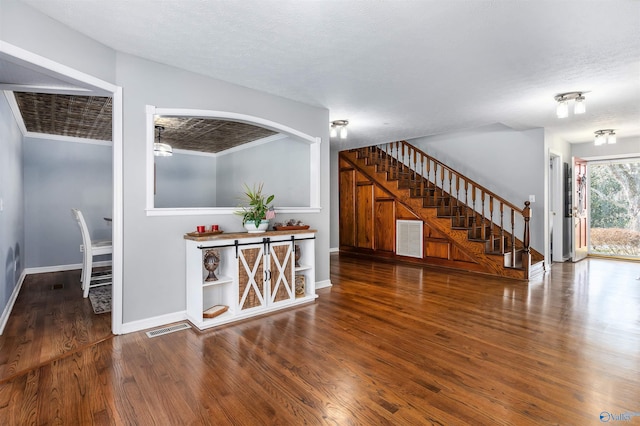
409, 238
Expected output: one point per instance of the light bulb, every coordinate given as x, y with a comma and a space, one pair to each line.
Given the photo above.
343, 132
611, 138
562, 111
334, 131
580, 106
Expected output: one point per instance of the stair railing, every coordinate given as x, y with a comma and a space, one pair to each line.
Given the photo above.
425, 172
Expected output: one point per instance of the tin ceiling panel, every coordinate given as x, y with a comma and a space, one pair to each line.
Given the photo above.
208, 135
66, 115
90, 117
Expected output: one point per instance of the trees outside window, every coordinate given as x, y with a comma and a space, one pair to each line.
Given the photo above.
615, 208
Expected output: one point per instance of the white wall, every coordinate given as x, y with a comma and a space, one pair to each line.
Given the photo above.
12, 211
59, 176
154, 250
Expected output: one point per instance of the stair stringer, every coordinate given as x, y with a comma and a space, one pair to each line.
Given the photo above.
481, 261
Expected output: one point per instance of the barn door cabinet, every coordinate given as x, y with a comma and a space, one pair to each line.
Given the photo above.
256, 274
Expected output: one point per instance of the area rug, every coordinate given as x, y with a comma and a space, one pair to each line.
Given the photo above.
100, 298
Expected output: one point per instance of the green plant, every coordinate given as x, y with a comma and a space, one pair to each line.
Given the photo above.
255, 206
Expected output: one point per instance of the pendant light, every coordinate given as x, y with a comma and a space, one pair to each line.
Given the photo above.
161, 149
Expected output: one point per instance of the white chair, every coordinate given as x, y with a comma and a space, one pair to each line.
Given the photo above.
91, 249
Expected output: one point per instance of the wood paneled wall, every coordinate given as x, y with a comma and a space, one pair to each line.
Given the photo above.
368, 215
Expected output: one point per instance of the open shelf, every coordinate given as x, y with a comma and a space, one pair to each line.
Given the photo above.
221, 280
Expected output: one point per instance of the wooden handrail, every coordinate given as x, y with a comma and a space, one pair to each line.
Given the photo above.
450, 170
414, 163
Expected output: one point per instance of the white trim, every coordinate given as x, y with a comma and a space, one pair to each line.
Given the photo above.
230, 150
314, 174
63, 138
314, 160
233, 116
15, 109
12, 300
37, 63
61, 268
162, 320
46, 89
323, 284
334, 249
117, 228
97, 86
253, 144
200, 211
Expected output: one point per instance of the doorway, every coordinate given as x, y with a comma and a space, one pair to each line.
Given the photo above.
614, 194
45, 70
580, 210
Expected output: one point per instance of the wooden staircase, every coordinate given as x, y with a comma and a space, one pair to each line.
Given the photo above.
479, 227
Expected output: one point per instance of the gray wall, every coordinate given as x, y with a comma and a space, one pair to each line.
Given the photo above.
335, 200
59, 176
626, 147
12, 213
188, 180
185, 180
282, 166
31, 30
154, 250
508, 162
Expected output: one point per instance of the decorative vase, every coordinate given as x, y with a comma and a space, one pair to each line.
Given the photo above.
252, 229
211, 262
298, 255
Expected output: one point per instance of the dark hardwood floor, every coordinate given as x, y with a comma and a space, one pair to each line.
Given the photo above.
387, 344
49, 319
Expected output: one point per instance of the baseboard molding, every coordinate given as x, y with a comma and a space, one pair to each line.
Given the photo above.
162, 320
334, 249
61, 268
323, 284
12, 300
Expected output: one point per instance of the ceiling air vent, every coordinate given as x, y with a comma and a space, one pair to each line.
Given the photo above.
409, 238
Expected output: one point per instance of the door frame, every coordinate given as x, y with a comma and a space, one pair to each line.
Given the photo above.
51, 68
556, 206
578, 254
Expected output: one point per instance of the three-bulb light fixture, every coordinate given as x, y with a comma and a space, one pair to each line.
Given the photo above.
339, 127
605, 136
579, 106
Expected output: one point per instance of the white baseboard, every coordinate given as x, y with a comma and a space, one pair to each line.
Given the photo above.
12, 300
323, 284
60, 268
133, 326
334, 249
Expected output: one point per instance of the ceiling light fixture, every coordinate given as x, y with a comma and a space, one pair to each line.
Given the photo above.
605, 136
161, 149
339, 127
562, 109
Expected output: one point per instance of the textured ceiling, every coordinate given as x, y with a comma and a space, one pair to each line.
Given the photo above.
208, 135
90, 117
396, 69
66, 115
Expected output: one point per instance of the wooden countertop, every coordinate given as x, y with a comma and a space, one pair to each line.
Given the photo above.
238, 235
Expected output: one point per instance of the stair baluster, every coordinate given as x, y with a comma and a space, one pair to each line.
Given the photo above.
399, 161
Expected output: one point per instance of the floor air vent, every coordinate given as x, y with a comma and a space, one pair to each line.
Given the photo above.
409, 238
167, 330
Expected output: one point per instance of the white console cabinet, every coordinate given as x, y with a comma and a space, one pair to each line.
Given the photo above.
256, 274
